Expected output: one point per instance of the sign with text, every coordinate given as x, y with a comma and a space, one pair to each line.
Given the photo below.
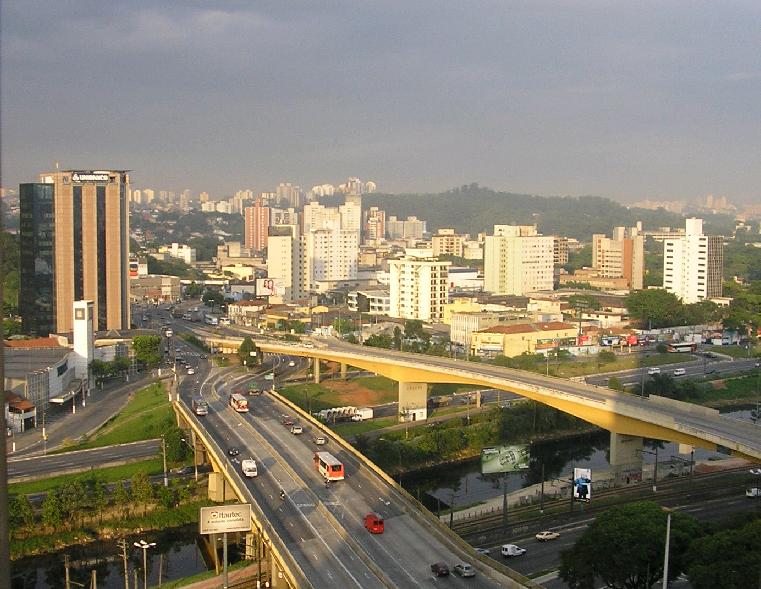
225, 518
504, 459
582, 484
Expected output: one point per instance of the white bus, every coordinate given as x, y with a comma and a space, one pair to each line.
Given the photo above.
239, 403
329, 466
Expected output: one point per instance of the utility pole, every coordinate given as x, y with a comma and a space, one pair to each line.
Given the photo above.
123, 545
67, 580
163, 452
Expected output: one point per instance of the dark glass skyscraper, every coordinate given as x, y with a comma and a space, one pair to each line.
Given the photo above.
37, 304
74, 242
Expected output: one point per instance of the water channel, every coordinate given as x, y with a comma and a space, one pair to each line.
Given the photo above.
180, 552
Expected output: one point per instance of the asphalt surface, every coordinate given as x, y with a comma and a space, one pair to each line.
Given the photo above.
316, 522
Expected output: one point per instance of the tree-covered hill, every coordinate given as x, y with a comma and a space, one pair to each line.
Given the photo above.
473, 209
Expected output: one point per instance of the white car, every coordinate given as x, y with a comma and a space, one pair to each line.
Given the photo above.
679, 372
652, 371
291, 363
248, 467
753, 492
547, 535
464, 570
297, 429
320, 440
191, 370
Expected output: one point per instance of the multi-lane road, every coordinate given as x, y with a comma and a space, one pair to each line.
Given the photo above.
323, 527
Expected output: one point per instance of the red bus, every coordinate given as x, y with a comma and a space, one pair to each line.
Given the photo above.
239, 403
329, 466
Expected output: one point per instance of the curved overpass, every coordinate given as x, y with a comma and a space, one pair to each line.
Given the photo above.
622, 413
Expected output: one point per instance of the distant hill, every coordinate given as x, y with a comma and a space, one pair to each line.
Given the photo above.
473, 209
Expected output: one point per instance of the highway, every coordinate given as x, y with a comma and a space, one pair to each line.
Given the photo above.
322, 527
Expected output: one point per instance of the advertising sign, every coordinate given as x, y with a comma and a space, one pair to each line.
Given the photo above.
582, 484
225, 518
504, 459
270, 287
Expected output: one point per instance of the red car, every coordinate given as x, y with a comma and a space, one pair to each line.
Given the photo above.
374, 523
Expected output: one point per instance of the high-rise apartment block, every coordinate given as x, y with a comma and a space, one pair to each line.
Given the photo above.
622, 256
285, 261
257, 222
375, 224
291, 194
418, 288
74, 246
447, 243
517, 260
411, 228
693, 264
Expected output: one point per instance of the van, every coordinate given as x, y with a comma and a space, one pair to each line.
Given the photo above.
510, 550
374, 523
679, 372
652, 371
248, 467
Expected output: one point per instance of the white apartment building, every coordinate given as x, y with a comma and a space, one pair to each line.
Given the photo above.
447, 242
180, 251
411, 228
285, 261
418, 288
283, 216
693, 264
518, 261
372, 301
331, 255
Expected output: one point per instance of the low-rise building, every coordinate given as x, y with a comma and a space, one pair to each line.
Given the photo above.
154, 288
374, 302
246, 313
514, 340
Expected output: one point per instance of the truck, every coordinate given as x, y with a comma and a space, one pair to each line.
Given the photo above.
248, 467
362, 413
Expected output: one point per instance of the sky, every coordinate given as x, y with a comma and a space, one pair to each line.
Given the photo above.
630, 100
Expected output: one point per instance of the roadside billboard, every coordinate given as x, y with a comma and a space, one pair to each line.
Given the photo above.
225, 518
270, 287
582, 484
498, 459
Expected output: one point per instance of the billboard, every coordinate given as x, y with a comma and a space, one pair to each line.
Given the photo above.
582, 484
270, 287
504, 459
225, 518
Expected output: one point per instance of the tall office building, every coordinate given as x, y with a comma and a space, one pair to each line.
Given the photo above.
622, 256
517, 260
74, 246
257, 221
693, 264
418, 288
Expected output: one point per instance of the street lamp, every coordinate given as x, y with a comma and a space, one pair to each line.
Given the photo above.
145, 546
163, 454
193, 447
666, 549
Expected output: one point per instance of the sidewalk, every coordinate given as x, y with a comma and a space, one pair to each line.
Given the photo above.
66, 426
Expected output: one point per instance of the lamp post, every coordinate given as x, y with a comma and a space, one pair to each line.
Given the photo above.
666, 550
163, 454
145, 546
193, 447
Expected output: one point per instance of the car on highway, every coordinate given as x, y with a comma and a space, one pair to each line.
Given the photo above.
652, 371
547, 535
233, 451
296, 429
320, 440
483, 551
753, 492
291, 363
679, 372
440, 569
464, 569
191, 370
248, 467
286, 419
511, 550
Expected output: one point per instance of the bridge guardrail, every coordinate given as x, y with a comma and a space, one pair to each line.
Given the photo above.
420, 512
276, 545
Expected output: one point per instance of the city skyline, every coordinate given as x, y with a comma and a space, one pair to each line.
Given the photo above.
629, 102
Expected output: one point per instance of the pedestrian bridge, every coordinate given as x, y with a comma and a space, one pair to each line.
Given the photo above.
621, 413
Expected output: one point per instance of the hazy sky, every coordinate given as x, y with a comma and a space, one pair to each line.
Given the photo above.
632, 100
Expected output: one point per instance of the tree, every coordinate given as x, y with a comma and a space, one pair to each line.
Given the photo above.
122, 498
397, 338
343, 326
634, 537
193, 290
728, 559
147, 349
379, 340
141, 489
213, 298
248, 353
52, 516
21, 513
606, 357
655, 308
615, 384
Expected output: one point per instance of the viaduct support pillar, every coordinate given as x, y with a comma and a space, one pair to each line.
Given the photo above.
413, 401
625, 458
344, 370
316, 371
219, 489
